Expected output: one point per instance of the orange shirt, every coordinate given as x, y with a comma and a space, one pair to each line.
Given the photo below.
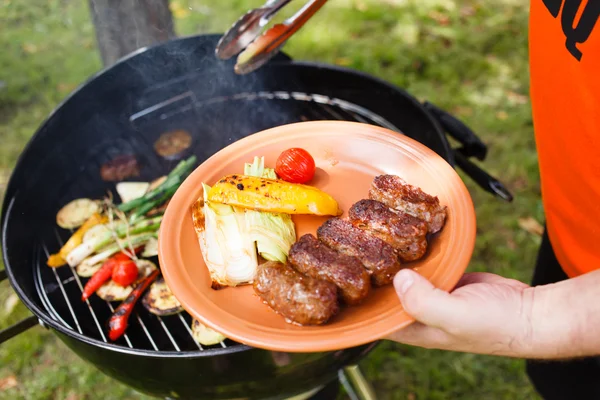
564, 44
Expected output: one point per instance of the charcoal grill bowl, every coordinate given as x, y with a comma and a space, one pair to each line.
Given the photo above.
121, 110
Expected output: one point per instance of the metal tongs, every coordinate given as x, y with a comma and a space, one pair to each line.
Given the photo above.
243, 36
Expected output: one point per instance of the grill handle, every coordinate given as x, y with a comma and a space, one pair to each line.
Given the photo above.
482, 178
472, 146
20, 326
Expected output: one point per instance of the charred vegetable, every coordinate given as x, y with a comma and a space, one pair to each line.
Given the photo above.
274, 233
151, 248
162, 192
57, 260
85, 271
159, 299
117, 325
205, 335
112, 291
272, 195
131, 190
120, 167
227, 247
103, 274
173, 144
76, 212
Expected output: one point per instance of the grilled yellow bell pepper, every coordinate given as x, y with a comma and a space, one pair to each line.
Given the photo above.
272, 195
58, 260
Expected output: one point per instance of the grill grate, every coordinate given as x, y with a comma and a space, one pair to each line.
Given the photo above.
60, 289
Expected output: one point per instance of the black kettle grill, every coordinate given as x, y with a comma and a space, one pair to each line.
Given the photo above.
122, 110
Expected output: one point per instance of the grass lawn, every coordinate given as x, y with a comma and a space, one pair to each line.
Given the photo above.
468, 56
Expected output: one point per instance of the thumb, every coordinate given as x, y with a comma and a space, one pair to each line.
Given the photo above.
426, 303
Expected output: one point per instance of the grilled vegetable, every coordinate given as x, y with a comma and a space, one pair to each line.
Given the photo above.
272, 195
159, 299
131, 190
76, 212
205, 335
119, 229
227, 249
121, 167
108, 251
85, 270
125, 273
156, 183
117, 325
151, 248
274, 233
111, 291
295, 165
172, 144
59, 259
102, 275
173, 180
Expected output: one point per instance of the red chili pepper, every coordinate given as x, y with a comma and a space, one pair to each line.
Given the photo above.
104, 274
118, 321
98, 279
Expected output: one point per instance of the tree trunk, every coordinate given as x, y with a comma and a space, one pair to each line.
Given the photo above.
123, 26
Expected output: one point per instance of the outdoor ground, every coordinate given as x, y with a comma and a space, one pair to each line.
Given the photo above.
468, 56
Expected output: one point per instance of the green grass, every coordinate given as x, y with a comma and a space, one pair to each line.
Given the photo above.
467, 56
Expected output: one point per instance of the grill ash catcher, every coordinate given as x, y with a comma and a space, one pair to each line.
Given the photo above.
182, 85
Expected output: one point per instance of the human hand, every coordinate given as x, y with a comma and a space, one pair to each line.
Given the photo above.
485, 314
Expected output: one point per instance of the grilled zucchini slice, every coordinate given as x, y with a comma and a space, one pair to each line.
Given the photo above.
76, 212
159, 299
205, 335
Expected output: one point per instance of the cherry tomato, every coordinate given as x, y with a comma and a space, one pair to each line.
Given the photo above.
295, 165
125, 272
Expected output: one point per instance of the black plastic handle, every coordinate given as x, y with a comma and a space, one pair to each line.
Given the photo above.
482, 178
20, 326
472, 145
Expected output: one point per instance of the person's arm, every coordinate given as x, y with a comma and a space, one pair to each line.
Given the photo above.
488, 314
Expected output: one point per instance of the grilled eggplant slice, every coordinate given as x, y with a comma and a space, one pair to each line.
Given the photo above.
205, 335
110, 291
159, 299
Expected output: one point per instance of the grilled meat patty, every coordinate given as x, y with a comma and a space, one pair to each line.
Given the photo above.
299, 298
313, 258
396, 193
405, 233
378, 257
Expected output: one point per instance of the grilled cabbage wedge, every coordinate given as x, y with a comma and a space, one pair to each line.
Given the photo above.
272, 195
273, 233
227, 248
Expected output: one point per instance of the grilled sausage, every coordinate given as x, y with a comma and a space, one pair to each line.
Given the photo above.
313, 258
407, 234
395, 193
300, 299
378, 257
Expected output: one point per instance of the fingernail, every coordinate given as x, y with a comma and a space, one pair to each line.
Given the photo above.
405, 280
